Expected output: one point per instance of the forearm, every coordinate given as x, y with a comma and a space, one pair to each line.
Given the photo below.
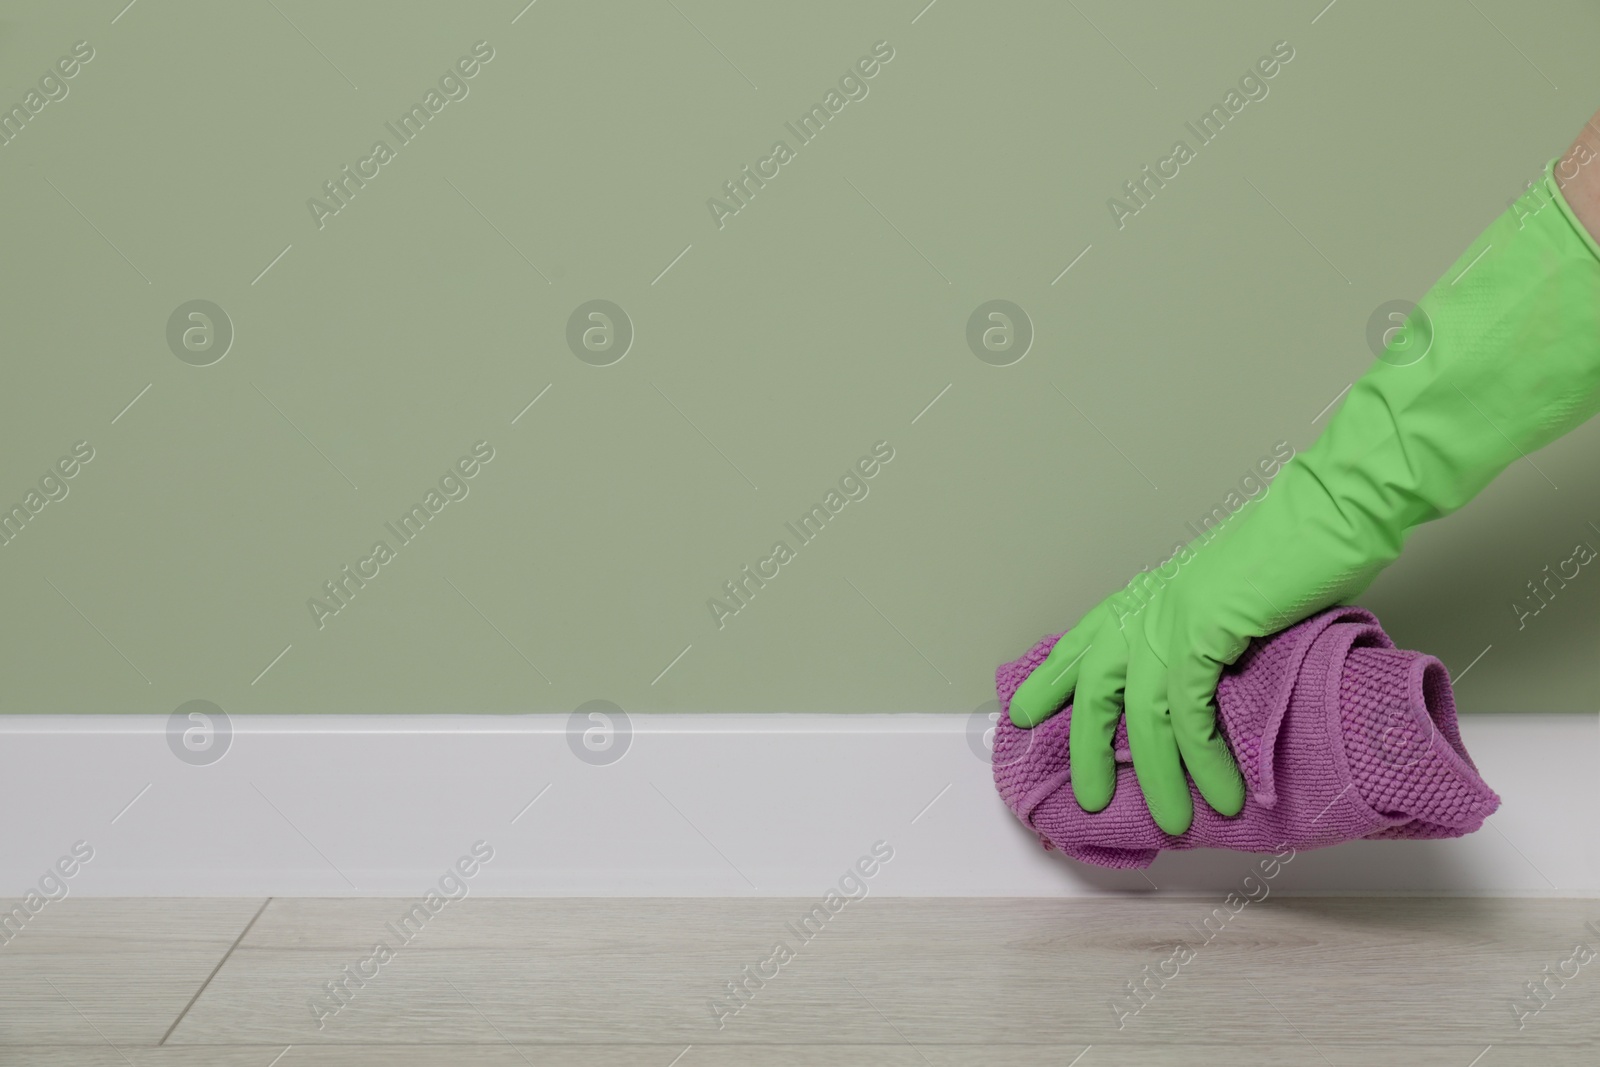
1578, 176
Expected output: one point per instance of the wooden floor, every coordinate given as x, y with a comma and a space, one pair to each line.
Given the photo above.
596, 983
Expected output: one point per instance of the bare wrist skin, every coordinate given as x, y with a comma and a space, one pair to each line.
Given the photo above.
1577, 174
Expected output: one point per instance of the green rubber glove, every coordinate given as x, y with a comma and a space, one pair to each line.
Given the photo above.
1502, 358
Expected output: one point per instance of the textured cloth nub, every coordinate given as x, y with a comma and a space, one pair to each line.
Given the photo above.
1339, 736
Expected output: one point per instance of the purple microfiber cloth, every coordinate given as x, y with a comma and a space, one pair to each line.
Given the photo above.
1339, 735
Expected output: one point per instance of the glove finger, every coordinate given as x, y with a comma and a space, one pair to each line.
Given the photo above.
1156, 760
1096, 708
1191, 685
1045, 691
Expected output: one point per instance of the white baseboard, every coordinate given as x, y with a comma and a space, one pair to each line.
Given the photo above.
698, 805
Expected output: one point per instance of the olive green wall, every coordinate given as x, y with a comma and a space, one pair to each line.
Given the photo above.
764, 352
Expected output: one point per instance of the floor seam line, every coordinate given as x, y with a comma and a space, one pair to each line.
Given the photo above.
206, 984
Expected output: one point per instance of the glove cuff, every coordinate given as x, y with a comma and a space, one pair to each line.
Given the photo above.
1552, 190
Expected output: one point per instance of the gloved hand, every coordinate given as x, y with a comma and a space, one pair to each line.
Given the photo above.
1501, 357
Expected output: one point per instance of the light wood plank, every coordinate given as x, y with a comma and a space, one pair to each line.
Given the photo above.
84, 971
1241, 1054
1429, 972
